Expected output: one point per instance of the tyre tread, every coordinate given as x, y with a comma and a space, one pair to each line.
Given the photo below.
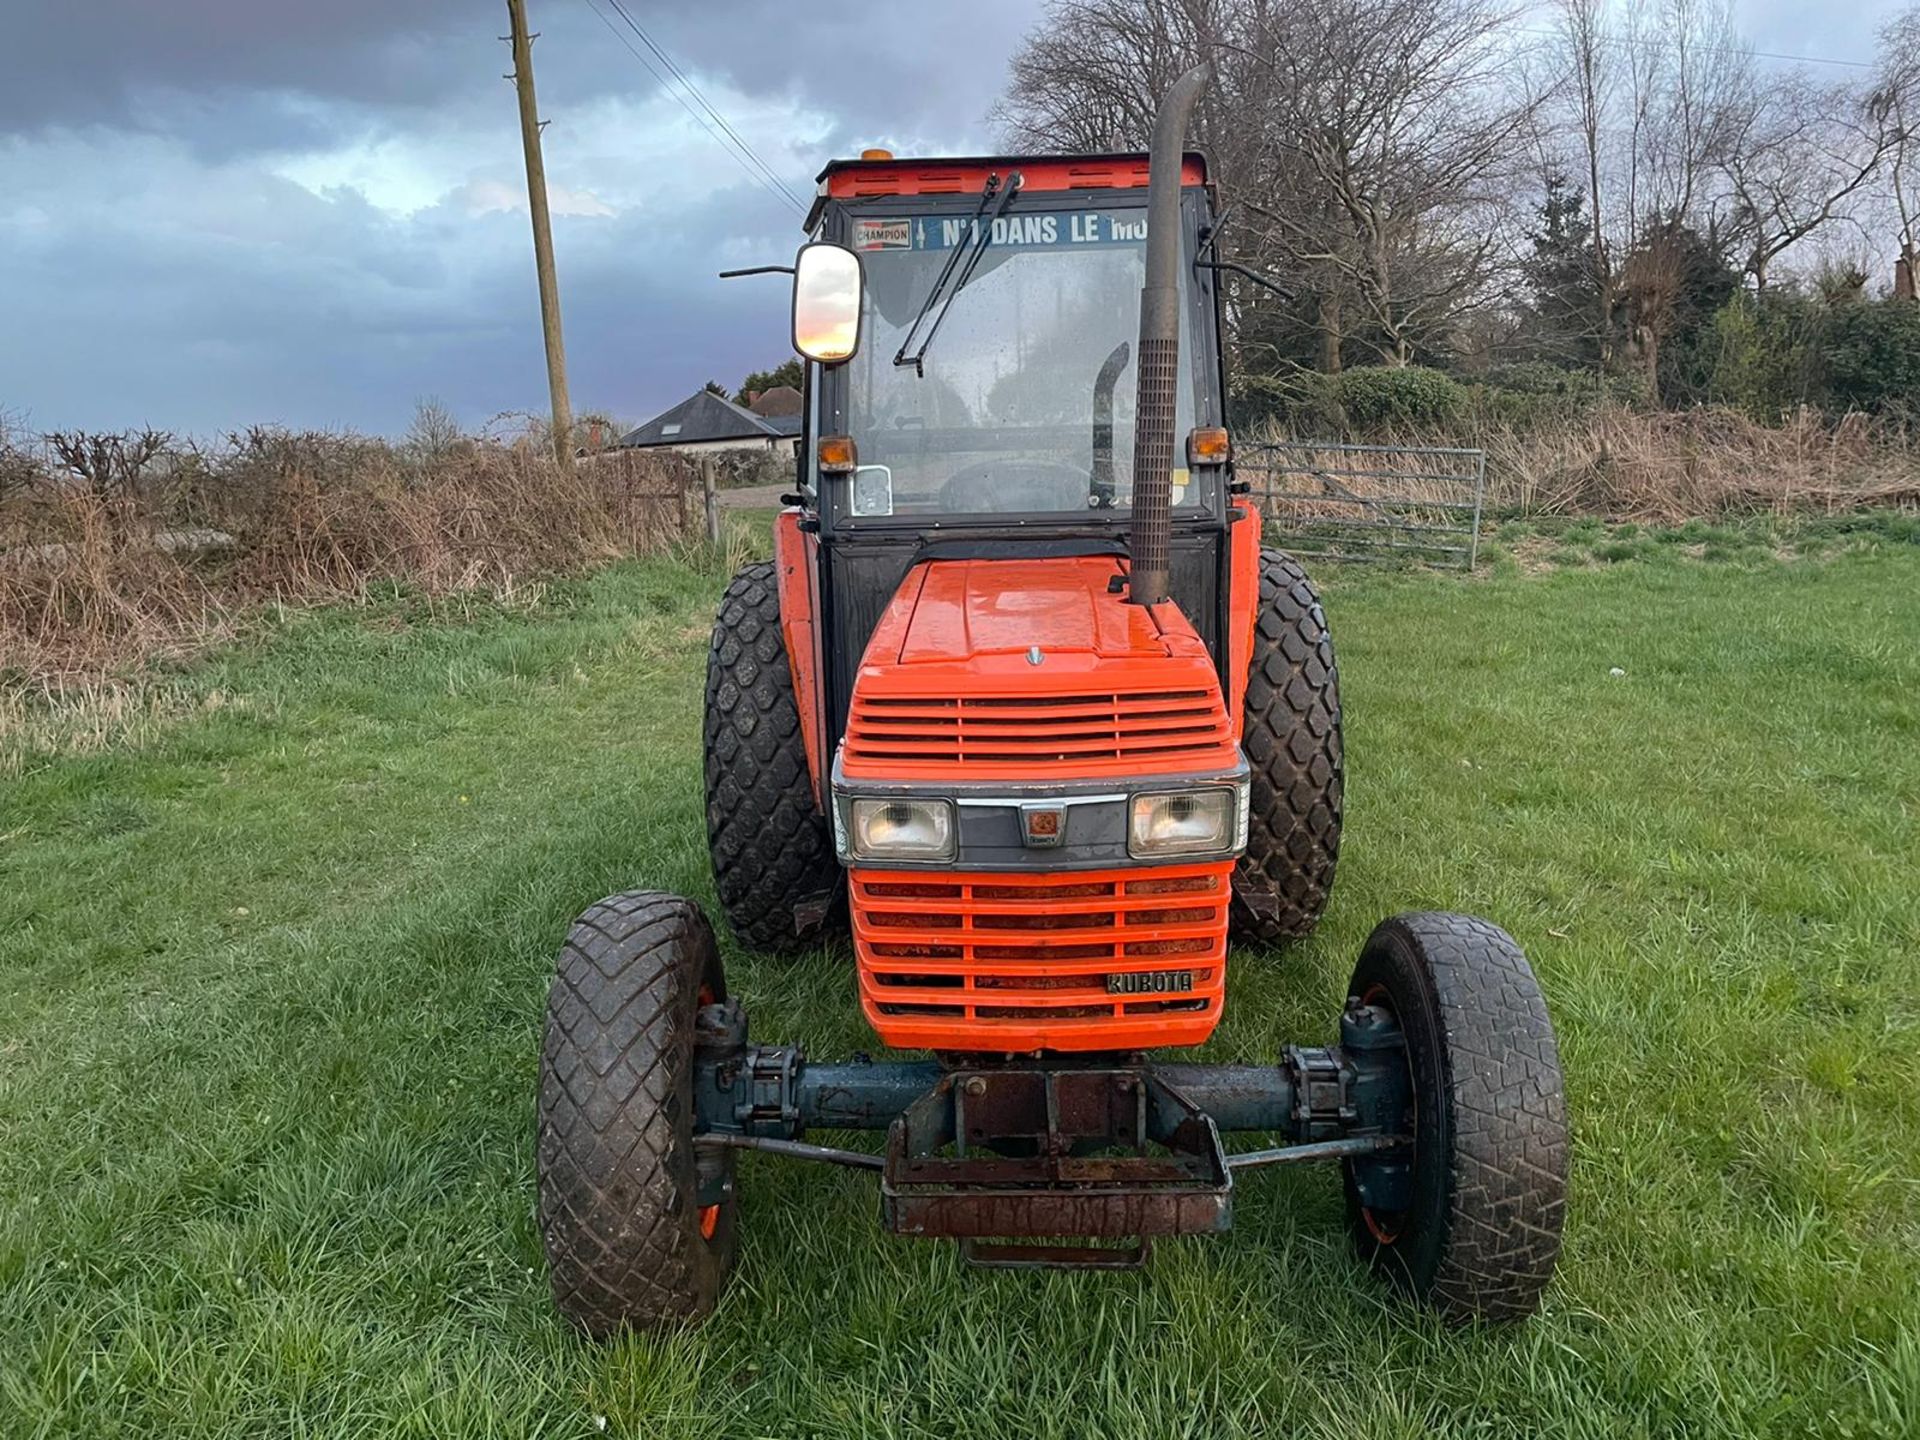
771, 846
613, 1149
1291, 736
1505, 1189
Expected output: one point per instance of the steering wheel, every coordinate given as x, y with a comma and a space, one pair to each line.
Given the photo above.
1016, 485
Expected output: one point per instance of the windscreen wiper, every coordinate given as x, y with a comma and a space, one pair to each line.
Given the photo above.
994, 199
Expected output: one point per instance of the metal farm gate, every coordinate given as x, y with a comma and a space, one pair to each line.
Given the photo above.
1369, 502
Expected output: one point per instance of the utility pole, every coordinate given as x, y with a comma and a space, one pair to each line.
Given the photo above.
522, 78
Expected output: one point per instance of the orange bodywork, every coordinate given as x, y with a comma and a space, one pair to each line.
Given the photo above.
1243, 610
796, 569
1016, 962
949, 690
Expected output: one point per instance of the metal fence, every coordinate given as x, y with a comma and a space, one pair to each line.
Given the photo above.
1370, 502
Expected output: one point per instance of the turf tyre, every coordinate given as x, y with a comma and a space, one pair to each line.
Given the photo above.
774, 870
627, 1242
1482, 1232
1292, 742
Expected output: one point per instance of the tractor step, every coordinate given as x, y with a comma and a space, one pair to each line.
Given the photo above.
1013, 1152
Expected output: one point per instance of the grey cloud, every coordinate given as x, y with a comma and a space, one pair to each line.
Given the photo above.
114, 325
91, 63
154, 267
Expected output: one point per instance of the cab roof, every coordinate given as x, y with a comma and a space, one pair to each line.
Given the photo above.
966, 174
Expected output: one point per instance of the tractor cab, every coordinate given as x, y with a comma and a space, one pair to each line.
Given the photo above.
989, 405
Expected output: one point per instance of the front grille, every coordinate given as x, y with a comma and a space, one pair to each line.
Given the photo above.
1161, 728
1020, 962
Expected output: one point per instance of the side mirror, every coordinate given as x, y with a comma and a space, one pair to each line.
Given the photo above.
827, 283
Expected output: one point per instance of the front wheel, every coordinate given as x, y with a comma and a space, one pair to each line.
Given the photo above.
636, 1235
1291, 736
1480, 1232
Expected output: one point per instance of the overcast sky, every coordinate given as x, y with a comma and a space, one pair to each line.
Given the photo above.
215, 212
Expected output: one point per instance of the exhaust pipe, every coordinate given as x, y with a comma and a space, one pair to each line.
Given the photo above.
1159, 365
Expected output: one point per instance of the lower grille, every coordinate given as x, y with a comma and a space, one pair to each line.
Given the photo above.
1009, 962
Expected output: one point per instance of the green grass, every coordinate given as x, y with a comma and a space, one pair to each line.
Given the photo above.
270, 985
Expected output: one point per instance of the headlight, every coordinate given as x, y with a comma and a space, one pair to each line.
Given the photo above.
901, 829
1181, 822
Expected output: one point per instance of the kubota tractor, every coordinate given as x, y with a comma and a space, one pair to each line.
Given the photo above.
1035, 714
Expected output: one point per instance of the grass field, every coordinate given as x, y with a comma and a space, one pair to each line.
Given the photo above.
270, 983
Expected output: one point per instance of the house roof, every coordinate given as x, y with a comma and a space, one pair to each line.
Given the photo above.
705, 416
776, 404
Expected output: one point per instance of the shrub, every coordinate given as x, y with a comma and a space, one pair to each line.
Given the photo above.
1761, 354
1380, 396
1300, 403
1872, 354
1540, 377
96, 573
1366, 399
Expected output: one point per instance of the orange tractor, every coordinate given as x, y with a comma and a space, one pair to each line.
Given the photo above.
1036, 716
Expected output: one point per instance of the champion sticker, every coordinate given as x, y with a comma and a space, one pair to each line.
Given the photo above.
883, 234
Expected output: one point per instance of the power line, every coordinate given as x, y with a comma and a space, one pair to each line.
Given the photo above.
755, 168
1654, 42
700, 99
743, 155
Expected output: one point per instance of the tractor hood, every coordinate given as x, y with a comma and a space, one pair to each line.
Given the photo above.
1004, 669
962, 610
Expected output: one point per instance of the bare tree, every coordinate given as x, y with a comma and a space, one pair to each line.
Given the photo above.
1365, 135
1402, 115
1591, 55
434, 434
19, 467
1897, 95
111, 466
1651, 282
1091, 75
1800, 154
1692, 83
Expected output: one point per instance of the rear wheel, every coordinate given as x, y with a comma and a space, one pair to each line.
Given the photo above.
629, 1240
773, 862
1481, 1229
1292, 743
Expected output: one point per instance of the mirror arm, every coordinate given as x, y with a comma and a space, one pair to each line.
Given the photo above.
1263, 281
757, 270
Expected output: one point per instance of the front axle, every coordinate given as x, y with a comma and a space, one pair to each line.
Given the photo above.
1098, 1147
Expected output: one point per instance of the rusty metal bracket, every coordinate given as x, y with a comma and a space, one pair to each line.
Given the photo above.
1114, 1154
1322, 1107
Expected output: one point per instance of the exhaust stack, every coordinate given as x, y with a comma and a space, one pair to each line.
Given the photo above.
1159, 365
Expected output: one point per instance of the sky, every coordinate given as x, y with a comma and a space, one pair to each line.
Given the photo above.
221, 212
